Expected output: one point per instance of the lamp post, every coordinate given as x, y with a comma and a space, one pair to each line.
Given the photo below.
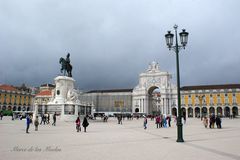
169, 40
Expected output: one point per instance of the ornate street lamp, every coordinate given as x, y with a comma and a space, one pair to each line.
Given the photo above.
169, 40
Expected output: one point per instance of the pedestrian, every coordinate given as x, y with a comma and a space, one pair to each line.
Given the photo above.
165, 122
85, 123
158, 121
12, 116
28, 121
205, 121
169, 121
161, 120
54, 119
1, 115
78, 126
36, 123
48, 118
145, 122
218, 122
212, 121
42, 119
120, 119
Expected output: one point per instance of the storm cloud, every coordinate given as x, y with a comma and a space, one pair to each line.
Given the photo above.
112, 41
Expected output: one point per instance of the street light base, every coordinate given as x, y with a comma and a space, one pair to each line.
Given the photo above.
180, 132
180, 140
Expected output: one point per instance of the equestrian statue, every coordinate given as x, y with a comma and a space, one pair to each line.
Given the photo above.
66, 66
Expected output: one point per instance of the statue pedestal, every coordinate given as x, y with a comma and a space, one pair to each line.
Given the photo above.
63, 85
64, 99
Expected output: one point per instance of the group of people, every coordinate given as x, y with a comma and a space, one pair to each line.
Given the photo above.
160, 121
212, 120
84, 124
45, 119
163, 121
36, 123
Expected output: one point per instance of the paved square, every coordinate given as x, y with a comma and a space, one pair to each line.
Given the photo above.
111, 141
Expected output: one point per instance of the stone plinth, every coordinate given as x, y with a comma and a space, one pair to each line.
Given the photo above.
63, 85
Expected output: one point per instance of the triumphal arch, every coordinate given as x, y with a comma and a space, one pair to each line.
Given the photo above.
154, 94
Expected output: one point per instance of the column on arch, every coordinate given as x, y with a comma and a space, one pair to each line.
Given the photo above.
76, 110
140, 105
170, 106
143, 103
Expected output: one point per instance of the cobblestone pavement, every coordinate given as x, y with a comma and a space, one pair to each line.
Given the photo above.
111, 141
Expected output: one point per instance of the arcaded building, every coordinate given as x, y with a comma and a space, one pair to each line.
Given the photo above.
203, 100
15, 98
155, 93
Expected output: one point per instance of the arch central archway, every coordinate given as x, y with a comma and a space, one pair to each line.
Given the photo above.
154, 100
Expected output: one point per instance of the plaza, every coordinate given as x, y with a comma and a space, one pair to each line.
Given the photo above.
107, 141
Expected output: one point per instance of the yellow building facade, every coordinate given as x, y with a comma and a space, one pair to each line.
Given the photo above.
15, 100
199, 101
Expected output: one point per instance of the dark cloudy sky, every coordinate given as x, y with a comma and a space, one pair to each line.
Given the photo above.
112, 41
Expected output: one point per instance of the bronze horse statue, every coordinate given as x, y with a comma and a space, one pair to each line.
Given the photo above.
66, 66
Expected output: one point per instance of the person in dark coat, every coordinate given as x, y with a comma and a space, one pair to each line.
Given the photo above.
169, 121
42, 119
28, 121
85, 123
54, 119
218, 122
1, 115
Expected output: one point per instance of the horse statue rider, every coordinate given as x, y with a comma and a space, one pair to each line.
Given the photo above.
66, 66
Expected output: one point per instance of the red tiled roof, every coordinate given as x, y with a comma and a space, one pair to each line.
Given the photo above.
45, 93
7, 87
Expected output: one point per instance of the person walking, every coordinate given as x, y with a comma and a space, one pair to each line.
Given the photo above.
54, 119
158, 121
1, 115
145, 122
218, 122
36, 123
78, 126
212, 121
48, 118
28, 121
161, 120
85, 123
205, 121
42, 119
169, 121
120, 118
164, 122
